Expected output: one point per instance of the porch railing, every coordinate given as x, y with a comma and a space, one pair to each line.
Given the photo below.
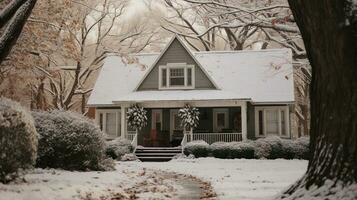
130, 135
217, 137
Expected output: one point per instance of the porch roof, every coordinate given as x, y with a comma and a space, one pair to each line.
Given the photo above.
180, 95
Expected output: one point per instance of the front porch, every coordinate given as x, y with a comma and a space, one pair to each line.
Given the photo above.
215, 124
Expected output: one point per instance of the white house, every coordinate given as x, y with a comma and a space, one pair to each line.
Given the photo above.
240, 94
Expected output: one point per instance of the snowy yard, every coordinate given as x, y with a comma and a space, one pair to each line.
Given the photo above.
238, 179
126, 182
231, 179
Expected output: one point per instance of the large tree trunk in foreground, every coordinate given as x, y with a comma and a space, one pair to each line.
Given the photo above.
14, 27
329, 30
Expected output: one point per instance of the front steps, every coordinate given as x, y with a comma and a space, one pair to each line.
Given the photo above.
157, 154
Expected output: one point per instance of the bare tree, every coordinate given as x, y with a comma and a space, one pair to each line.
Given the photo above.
244, 24
99, 34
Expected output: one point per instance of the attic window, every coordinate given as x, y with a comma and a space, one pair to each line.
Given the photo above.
176, 76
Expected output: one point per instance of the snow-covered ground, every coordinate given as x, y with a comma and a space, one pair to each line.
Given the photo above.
123, 183
232, 179
238, 179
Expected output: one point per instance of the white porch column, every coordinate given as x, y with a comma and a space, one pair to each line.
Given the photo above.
244, 120
123, 122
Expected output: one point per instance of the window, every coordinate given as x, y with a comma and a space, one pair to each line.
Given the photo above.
111, 125
176, 76
164, 78
220, 119
272, 121
109, 122
189, 76
283, 126
261, 121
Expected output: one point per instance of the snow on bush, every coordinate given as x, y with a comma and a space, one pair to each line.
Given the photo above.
69, 141
262, 149
220, 150
303, 151
136, 117
129, 157
18, 139
197, 148
242, 150
118, 147
269, 148
274, 147
190, 117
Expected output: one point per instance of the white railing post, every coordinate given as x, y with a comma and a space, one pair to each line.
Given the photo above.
134, 142
191, 134
244, 120
184, 141
123, 121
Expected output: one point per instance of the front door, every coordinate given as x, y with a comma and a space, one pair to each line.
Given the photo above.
176, 129
156, 127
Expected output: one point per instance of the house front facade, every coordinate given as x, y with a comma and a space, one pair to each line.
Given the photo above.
240, 94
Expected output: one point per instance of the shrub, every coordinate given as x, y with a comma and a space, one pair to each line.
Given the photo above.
275, 147
303, 151
118, 147
262, 149
197, 148
18, 139
242, 150
69, 141
220, 150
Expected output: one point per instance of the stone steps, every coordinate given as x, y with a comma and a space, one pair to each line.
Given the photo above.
156, 154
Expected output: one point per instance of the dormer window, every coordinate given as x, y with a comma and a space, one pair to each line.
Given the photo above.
176, 76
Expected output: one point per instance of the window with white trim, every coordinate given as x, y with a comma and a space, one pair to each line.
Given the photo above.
176, 76
272, 121
109, 122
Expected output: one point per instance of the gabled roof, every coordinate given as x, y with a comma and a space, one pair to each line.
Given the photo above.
176, 37
264, 76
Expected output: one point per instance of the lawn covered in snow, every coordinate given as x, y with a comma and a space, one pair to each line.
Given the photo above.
239, 178
123, 183
236, 179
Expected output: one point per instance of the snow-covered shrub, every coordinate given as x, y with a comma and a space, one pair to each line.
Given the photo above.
118, 147
136, 117
18, 139
275, 147
303, 145
197, 148
69, 141
262, 149
290, 149
129, 157
220, 150
190, 117
242, 150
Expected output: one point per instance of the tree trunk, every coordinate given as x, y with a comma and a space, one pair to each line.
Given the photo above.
10, 9
329, 30
14, 28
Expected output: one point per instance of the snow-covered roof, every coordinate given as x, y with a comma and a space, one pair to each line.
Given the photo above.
264, 76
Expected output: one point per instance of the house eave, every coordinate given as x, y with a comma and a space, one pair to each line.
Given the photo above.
273, 102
